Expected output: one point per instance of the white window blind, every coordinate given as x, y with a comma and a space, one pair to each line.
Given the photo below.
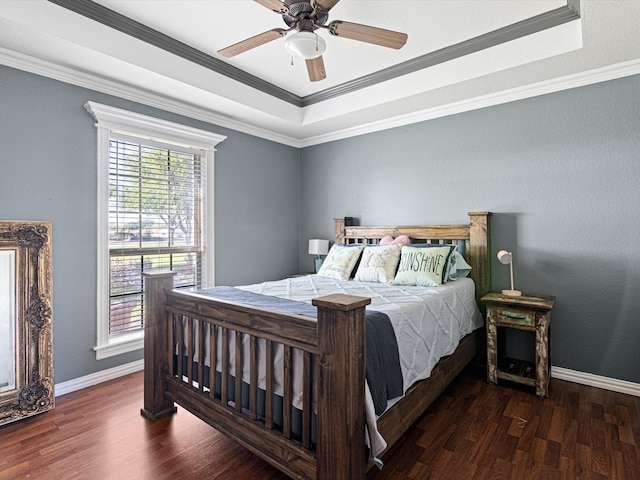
155, 223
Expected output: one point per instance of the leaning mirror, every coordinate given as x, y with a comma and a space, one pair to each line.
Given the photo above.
26, 352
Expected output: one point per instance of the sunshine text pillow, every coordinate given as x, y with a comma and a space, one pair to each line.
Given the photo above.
340, 261
426, 267
378, 263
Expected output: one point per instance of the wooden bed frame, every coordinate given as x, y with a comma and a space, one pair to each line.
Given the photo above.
336, 339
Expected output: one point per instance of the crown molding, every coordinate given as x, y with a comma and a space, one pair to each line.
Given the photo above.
117, 21
538, 23
93, 82
603, 74
126, 25
127, 92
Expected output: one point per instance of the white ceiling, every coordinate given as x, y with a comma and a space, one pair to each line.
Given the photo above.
48, 39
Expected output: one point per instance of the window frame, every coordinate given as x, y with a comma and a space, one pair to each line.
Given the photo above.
110, 119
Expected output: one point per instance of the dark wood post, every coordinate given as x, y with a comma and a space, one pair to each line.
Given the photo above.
156, 348
341, 453
480, 252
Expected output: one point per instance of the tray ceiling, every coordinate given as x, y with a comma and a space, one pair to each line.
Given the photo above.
167, 50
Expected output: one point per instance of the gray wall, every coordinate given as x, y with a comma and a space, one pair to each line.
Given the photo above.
48, 161
561, 173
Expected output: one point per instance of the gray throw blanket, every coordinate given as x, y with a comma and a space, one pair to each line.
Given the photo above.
383, 361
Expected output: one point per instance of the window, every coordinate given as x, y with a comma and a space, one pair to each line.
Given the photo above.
155, 182
155, 222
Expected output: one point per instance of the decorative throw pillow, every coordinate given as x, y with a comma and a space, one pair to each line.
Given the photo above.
399, 240
378, 263
340, 261
427, 267
458, 266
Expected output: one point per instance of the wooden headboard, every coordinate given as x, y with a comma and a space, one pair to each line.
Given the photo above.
474, 240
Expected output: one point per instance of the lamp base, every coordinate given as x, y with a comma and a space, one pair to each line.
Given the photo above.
512, 293
318, 263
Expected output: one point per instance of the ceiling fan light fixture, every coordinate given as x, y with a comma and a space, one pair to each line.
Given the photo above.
305, 45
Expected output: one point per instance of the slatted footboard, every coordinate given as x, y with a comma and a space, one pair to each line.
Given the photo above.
195, 346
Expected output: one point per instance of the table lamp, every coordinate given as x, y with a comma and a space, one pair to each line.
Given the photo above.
506, 257
318, 247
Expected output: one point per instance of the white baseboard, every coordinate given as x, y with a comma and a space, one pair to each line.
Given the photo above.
98, 377
607, 383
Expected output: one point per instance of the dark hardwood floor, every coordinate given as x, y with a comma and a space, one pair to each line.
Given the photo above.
474, 431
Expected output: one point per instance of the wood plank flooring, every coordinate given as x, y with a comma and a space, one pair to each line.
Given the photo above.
474, 431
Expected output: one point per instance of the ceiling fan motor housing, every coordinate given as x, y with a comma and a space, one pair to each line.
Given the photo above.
306, 16
300, 10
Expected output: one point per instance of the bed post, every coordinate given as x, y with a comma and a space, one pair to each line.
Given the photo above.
339, 229
480, 252
340, 451
156, 348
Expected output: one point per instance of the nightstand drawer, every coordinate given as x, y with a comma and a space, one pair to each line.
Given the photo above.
514, 316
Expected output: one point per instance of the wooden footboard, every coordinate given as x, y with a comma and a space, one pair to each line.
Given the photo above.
179, 324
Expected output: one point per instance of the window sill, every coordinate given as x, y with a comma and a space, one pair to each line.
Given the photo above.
119, 345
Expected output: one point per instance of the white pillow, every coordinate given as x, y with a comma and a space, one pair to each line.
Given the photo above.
340, 261
379, 263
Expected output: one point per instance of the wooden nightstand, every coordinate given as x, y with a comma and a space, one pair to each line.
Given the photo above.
527, 312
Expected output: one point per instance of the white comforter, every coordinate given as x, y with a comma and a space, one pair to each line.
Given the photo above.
429, 322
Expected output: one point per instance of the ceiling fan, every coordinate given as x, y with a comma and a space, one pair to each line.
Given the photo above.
306, 16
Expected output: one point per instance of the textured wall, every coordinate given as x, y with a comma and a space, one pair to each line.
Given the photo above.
561, 174
48, 161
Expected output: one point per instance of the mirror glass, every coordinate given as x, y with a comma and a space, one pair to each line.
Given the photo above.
7, 320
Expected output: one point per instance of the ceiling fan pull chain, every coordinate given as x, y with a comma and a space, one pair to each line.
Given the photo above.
291, 59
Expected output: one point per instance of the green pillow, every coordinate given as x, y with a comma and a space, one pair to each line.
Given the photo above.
426, 267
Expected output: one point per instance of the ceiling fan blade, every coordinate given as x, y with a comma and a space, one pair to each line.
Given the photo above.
274, 5
315, 68
323, 5
365, 33
252, 42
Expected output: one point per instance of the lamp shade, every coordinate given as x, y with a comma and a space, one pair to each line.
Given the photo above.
305, 45
506, 258
318, 246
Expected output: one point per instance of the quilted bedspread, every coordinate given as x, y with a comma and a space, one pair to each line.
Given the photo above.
383, 371
429, 322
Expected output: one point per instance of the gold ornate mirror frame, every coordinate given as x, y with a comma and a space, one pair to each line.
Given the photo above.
26, 347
